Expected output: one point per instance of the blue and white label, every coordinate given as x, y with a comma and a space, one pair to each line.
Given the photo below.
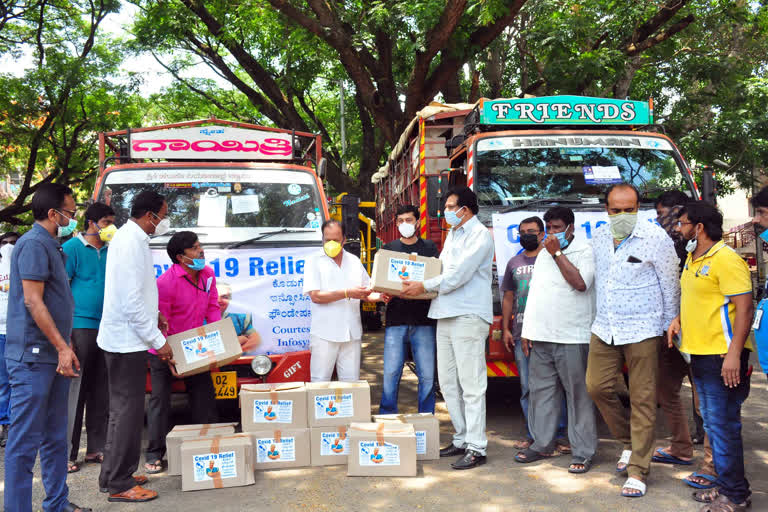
326, 406
334, 443
421, 442
294, 189
264, 411
601, 175
371, 453
401, 269
203, 347
210, 466
267, 450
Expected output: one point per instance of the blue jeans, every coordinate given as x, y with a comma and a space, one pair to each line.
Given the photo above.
5, 387
521, 360
422, 340
38, 423
721, 411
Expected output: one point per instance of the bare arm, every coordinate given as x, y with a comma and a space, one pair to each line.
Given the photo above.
507, 314
570, 273
732, 363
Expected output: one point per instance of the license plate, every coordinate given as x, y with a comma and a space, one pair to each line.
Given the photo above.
225, 385
369, 306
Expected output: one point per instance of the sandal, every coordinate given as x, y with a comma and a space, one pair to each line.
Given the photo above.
580, 461
667, 458
563, 447
134, 494
71, 507
528, 455
152, 468
139, 479
72, 467
522, 444
96, 458
708, 479
723, 504
635, 485
706, 496
621, 465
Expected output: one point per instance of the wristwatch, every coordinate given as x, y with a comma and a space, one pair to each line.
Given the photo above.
557, 253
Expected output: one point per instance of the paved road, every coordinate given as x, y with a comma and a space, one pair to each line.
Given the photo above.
500, 485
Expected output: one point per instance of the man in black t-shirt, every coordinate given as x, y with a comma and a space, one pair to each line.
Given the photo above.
407, 322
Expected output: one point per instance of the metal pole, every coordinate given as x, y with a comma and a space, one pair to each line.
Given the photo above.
343, 128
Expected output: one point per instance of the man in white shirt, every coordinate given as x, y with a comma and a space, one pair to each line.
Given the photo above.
463, 309
129, 327
558, 318
336, 282
638, 296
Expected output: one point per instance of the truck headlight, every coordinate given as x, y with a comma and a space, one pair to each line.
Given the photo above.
261, 365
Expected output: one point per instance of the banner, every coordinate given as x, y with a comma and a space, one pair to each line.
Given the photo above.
506, 231
266, 285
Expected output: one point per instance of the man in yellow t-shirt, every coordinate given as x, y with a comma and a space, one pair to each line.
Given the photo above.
715, 316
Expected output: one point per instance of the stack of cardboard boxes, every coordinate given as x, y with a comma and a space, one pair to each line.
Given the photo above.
295, 424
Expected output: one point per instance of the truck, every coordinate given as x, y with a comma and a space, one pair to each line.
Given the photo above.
254, 196
522, 156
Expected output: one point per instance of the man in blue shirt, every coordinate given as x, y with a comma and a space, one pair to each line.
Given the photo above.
38, 355
86, 264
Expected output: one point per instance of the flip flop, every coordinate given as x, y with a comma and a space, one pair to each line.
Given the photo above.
624, 459
73, 467
529, 455
587, 463
667, 458
633, 483
158, 464
711, 479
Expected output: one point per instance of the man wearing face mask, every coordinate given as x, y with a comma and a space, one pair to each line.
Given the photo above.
559, 344
407, 322
86, 267
715, 316
336, 282
463, 309
130, 325
38, 355
188, 299
638, 293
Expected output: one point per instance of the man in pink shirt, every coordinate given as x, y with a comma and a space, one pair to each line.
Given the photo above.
188, 299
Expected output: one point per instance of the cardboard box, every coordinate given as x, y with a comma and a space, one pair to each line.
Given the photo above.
330, 445
268, 406
212, 345
280, 449
391, 268
381, 449
213, 463
337, 404
180, 432
426, 427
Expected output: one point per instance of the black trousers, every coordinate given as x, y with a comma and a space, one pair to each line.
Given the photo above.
202, 405
94, 393
127, 374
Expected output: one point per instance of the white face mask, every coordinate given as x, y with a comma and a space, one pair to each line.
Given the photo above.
692, 243
406, 230
163, 226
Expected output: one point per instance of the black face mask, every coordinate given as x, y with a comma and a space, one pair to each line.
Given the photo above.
529, 242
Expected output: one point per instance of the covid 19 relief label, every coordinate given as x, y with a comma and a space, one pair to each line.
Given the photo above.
202, 347
371, 453
327, 406
401, 269
267, 450
264, 411
210, 466
334, 443
421, 442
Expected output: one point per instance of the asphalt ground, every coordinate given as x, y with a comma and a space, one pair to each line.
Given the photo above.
501, 484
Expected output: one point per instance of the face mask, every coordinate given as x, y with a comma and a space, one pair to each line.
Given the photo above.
452, 217
693, 243
107, 233
163, 226
68, 229
529, 242
562, 239
197, 263
406, 230
332, 248
622, 224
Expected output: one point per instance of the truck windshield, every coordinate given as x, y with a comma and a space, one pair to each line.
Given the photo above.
227, 205
517, 169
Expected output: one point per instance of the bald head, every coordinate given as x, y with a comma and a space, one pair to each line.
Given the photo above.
622, 198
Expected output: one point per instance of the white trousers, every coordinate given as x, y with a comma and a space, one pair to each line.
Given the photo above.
344, 355
461, 372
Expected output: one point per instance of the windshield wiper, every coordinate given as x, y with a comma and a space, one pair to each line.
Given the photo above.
266, 235
173, 232
538, 202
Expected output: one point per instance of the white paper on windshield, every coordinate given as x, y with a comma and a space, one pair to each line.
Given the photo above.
245, 204
601, 175
213, 211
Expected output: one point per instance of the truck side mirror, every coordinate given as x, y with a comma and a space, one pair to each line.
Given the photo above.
322, 167
708, 185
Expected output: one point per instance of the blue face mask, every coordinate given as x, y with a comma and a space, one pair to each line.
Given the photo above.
197, 263
452, 218
764, 236
68, 229
562, 239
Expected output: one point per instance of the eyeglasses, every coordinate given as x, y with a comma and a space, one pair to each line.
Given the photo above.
70, 213
680, 223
